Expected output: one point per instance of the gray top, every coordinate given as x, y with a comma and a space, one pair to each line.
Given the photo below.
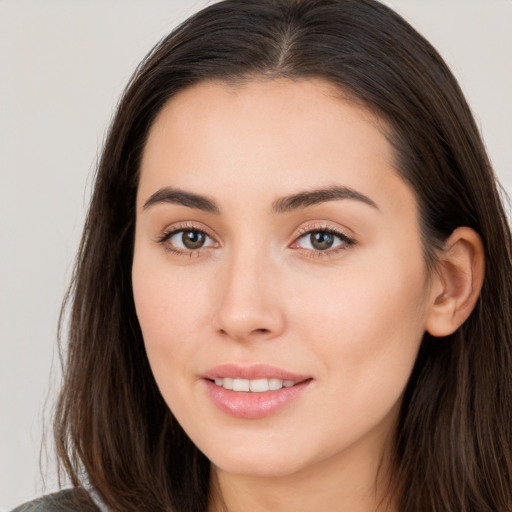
69, 500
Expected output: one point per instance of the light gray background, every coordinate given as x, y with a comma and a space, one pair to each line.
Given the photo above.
63, 65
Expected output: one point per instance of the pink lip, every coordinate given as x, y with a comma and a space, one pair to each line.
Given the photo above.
254, 371
253, 405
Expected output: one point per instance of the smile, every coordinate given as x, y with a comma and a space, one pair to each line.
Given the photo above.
253, 385
254, 391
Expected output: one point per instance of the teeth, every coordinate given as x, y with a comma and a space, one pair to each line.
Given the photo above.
258, 385
240, 385
274, 384
254, 385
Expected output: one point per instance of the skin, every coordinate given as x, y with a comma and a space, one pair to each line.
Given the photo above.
351, 317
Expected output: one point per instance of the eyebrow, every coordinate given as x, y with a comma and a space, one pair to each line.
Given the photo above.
177, 196
282, 205
322, 195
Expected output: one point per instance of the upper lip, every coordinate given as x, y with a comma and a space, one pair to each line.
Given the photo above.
252, 372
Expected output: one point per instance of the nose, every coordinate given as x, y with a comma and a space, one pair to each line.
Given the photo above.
250, 306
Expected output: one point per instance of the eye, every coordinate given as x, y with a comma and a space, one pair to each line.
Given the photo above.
323, 240
187, 240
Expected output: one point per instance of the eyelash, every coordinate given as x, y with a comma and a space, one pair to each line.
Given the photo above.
346, 241
167, 235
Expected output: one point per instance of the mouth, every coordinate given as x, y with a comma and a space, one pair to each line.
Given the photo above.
256, 391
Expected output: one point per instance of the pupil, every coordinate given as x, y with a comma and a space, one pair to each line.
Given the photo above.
192, 239
321, 240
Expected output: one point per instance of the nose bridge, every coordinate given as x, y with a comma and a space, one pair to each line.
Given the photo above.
249, 305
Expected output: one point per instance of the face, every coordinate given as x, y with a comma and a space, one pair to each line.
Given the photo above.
278, 275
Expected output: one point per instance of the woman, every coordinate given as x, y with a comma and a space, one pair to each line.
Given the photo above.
280, 299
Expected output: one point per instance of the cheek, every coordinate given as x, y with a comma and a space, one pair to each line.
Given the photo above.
164, 307
366, 325
167, 296
171, 311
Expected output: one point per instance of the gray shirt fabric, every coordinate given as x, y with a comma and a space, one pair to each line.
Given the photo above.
69, 500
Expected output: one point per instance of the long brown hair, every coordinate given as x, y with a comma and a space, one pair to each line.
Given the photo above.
453, 443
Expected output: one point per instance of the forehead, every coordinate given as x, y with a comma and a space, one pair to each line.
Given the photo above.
266, 138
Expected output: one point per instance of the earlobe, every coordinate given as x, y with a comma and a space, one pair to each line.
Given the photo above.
457, 282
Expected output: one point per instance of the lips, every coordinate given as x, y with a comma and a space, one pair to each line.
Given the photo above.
254, 391
252, 372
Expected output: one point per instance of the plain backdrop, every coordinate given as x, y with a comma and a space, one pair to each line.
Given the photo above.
63, 65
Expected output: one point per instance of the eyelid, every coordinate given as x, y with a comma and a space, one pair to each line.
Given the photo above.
323, 226
317, 226
173, 229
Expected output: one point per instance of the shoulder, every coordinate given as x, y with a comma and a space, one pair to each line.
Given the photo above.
69, 500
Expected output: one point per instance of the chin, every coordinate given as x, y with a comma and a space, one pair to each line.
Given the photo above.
251, 458
258, 468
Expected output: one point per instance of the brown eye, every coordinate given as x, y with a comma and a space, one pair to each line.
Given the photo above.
193, 239
320, 240
187, 240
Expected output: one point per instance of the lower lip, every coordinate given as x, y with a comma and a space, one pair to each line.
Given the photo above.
253, 405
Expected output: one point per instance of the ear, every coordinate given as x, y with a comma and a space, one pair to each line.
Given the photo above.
457, 282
